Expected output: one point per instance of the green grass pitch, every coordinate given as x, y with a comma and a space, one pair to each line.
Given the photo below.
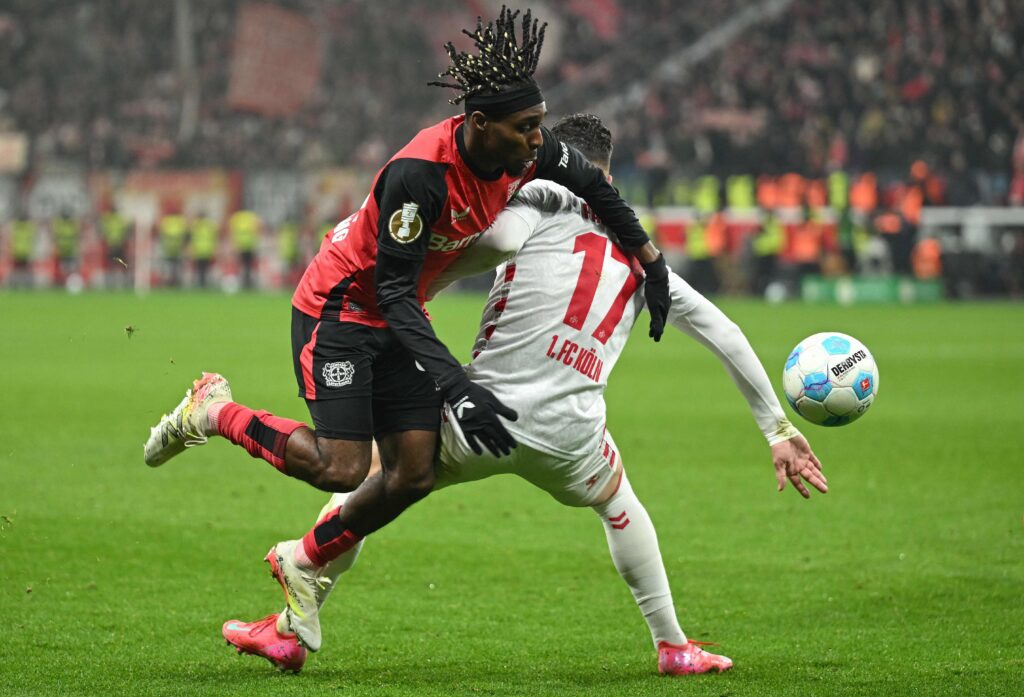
907, 578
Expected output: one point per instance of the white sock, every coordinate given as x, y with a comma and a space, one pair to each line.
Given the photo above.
212, 417
334, 569
633, 544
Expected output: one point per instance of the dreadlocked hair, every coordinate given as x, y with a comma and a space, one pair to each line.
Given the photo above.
586, 133
501, 61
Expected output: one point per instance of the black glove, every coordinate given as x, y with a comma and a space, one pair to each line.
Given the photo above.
477, 410
656, 294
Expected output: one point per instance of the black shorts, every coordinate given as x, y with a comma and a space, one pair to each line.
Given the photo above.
359, 382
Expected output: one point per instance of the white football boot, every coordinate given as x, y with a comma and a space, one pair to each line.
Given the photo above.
302, 588
186, 426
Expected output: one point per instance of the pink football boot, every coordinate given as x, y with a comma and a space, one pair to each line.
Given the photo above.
261, 638
689, 659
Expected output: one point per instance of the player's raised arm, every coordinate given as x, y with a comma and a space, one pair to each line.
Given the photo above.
564, 164
699, 318
410, 193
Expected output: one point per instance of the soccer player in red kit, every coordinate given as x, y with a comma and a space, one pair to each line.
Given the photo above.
366, 358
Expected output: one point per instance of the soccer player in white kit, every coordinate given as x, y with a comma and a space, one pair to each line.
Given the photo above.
564, 300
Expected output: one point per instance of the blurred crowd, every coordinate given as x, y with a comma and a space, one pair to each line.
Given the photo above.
825, 85
850, 86
920, 102
105, 83
102, 83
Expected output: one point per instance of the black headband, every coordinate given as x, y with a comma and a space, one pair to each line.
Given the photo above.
507, 102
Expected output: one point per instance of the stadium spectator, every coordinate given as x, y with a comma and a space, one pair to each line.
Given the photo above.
963, 188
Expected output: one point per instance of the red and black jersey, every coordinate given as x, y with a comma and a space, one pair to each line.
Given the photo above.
427, 204
446, 205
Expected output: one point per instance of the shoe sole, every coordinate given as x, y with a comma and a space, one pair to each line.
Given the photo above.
164, 457
281, 667
712, 669
696, 672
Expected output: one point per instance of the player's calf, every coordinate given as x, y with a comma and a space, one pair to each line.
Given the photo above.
407, 486
329, 464
407, 464
262, 434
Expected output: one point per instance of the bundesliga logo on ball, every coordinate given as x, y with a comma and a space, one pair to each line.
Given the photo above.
830, 379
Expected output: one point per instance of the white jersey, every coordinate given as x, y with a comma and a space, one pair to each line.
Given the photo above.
556, 321
560, 312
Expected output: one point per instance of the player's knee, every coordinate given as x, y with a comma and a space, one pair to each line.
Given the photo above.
411, 485
335, 465
422, 484
339, 475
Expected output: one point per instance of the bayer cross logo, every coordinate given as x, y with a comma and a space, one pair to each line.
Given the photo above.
339, 374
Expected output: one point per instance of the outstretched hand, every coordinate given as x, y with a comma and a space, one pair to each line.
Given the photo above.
794, 460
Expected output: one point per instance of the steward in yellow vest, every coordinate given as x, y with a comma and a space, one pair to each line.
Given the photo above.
244, 230
203, 248
173, 230
24, 233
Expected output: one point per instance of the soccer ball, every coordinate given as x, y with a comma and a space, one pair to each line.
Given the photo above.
830, 379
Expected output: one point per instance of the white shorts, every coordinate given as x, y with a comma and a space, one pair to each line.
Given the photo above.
571, 481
